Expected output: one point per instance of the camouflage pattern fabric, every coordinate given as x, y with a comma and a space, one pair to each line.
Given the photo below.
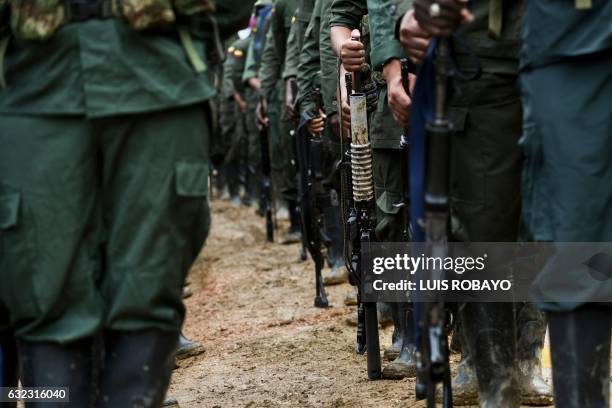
40, 19
143, 14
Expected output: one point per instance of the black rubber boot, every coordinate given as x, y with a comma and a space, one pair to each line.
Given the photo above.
333, 228
394, 349
137, 368
531, 325
490, 334
187, 348
404, 365
233, 182
294, 234
580, 350
9, 364
465, 384
46, 364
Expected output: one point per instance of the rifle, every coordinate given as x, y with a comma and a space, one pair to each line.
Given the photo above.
432, 334
266, 181
304, 245
311, 177
361, 221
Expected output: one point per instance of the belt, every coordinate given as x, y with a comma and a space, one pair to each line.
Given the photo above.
82, 10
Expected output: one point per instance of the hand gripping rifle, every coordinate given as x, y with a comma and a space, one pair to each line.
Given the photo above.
432, 315
311, 178
361, 222
266, 181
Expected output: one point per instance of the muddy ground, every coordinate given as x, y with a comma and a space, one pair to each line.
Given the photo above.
266, 345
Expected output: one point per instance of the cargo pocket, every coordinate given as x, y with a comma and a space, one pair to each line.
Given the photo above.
390, 226
192, 214
16, 260
191, 179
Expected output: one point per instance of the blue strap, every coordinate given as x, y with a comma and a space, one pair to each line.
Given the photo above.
423, 103
260, 33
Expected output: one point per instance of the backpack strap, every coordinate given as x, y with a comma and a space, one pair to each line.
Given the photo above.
4, 42
496, 18
192, 54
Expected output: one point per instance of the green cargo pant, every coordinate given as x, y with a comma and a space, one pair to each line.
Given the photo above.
486, 160
288, 184
100, 220
389, 175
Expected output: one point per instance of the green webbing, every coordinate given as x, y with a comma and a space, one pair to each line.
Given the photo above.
3, 46
584, 4
496, 17
196, 61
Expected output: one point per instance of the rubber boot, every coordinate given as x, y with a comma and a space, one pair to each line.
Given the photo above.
385, 312
335, 257
137, 368
9, 364
404, 365
47, 364
531, 325
221, 180
294, 233
580, 351
170, 402
490, 334
465, 384
397, 339
233, 183
187, 348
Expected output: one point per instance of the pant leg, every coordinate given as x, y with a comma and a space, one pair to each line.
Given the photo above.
288, 188
156, 214
49, 227
389, 187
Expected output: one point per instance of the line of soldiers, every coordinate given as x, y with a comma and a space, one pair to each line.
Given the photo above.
502, 188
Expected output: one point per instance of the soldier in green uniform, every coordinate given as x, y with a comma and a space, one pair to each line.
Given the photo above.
318, 69
389, 176
273, 90
566, 79
219, 145
233, 110
250, 77
103, 183
502, 342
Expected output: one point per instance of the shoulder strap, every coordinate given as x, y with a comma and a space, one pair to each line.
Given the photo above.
584, 4
4, 41
496, 18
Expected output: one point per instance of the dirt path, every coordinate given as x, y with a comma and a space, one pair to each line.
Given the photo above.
266, 345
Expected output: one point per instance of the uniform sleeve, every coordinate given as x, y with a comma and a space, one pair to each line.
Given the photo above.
278, 27
227, 85
251, 66
310, 62
292, 57
382, 15
347, 13
270, 69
